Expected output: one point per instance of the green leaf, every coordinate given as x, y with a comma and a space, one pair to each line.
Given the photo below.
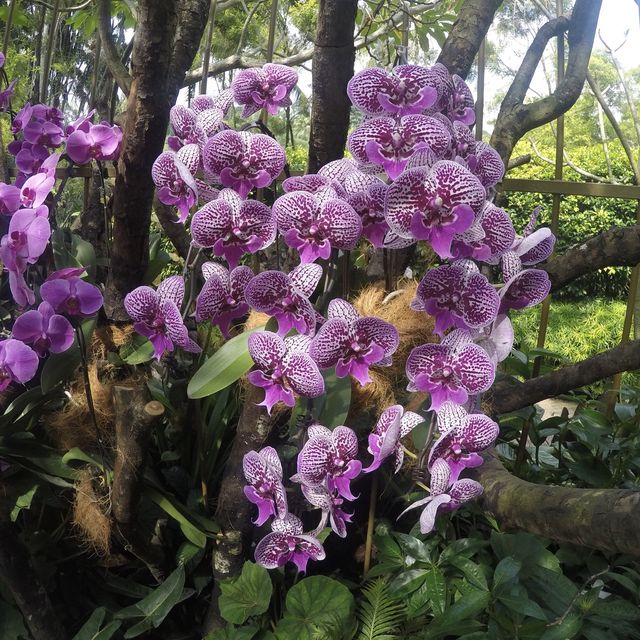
331, 408
379, 612
140, 354
437, 589
567, 629
518, 600
233, 633
407, 582
91, 628
223, 368
617, 609
23, 502
467, 606
507, 570
471, 571
70, 250
316, 605
247, 595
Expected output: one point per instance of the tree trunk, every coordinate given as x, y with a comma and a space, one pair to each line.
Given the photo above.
333, 59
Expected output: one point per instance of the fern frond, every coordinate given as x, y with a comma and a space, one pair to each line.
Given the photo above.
379, 611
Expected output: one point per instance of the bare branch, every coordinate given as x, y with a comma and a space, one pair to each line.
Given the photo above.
567, 162
109, 51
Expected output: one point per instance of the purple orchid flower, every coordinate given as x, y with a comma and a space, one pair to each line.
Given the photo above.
48, 113
283, 368
232, 226
314, 183
406, 89
461, 104
101, 142
18, 362
43, 132
83, 123
156, 315
351, 343
186, 129
497, 338
29, 157
286, 297
369, 205
390, 143
452, 370
6, 95
434, 204
329, 458
49, 166
46, 330
9, 199
331, 505
243, 160
70, 295
466, 435
223, 101
268, 88
176, 185
222, 297
263, 471
457, 295
445, 496
36, 189
523, 287
21, 118
394, 424
287, 542
314, 223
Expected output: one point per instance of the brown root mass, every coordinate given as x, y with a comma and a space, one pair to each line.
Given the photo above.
91, 514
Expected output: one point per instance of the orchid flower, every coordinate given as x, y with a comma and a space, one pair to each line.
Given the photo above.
497, 338
394, 424
43, 132
36, 189
268, 88
9, 199
21, 118
461, 104
314, 223
263, 471
331, 505
329, 458
18, 362
445, 496
101, 142
156, 315
186, 128
29, 157
286, 297
243, 160
232, 226
522, 287
283, 368
222, 297
466, 435
176, 185
369, 205
70, 295
352, 343
286, 543
46, 330
6, 95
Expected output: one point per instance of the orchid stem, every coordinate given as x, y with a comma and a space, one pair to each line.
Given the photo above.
368, 547
411, 455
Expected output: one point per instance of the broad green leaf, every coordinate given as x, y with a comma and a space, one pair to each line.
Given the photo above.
507, 570
314, 606
233, 633
91, 628
468, 606
407, 582
331, 408
566, 630
518, 600
140, 354
437, 589
471, 571
247, 595
617, 609
223, 368
23, 502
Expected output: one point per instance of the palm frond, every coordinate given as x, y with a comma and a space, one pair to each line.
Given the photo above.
379, 611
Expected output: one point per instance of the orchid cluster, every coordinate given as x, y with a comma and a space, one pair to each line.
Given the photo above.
39, 133
416, 174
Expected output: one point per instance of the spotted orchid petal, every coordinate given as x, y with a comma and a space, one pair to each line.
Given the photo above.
263, 472
461, 104
331, 506
268, 88
369, 205
525, 289
497, 339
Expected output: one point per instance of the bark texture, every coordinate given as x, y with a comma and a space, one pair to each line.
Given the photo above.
605, 519
333, 58
462, 44
515, 117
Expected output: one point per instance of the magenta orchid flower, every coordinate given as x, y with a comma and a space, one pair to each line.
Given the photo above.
186, 128
406, 89
21, 118
351, 343
101, 142
445, 496
232, 226
523, 287
70, 295
43, 132
286, 543
329, 458
452, 370
457, 295
461, 104
313, 224
48, 113
29, 157
369, 205
6, 95
176, 185
286, 297
36, 189
156, 315
389, 143
45, 330
268, 88
243, 161
83, 123
222, 297
434, 204
18, 362
394, 424
263, 471
283, 367
9, 199
331, 505
466, 436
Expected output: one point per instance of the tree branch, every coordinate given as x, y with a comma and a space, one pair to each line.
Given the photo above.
508, 395
605, 519
109, 51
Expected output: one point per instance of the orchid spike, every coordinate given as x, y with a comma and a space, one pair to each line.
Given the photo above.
156, 315
434, 204
286, 297
457, 297
351, 343
232, 226
243, 160
329, 457
286, 543
394, 424
222, 297
263, 471
18, 362
282, 369
331, 505
268, 88
47, 331
176, 185
444, 495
